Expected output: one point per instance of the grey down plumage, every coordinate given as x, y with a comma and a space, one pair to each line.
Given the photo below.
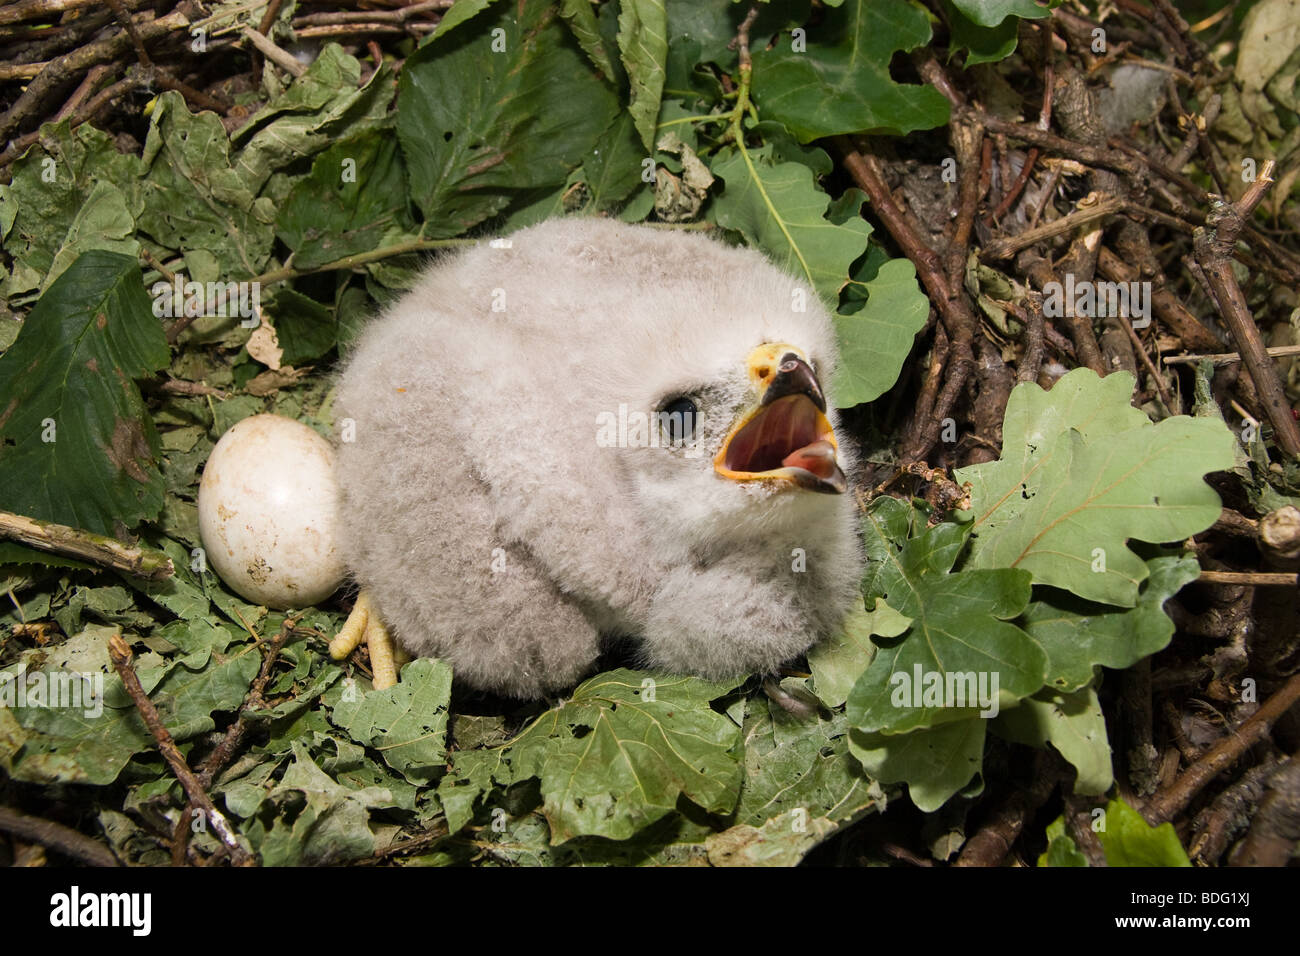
491, 527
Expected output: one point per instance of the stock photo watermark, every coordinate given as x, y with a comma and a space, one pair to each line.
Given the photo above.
54, 690
923, 688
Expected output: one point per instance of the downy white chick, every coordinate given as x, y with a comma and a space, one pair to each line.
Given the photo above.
496, 515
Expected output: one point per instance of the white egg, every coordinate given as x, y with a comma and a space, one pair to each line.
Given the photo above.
267, 505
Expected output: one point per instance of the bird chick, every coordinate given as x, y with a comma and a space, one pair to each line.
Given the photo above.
595, 430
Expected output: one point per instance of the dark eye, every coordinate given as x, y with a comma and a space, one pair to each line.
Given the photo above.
677, 418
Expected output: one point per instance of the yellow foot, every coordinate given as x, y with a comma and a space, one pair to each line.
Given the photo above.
363, 624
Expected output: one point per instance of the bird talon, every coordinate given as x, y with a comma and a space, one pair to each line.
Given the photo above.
364, 625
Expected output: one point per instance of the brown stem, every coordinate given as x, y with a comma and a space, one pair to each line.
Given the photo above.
1213, 248
96, 548
120, 654
57, 837
1170, 802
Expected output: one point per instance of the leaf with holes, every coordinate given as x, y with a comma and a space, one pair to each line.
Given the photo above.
876, 339
193, 199
356, 192
64, 200
76, 443
1082, 476
614, 758
1080, 635
407, 723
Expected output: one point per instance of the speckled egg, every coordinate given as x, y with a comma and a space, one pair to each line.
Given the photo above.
267, 504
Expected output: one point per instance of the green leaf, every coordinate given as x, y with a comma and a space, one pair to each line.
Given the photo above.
320, 107
613, 167
304, 328
986, 44
582, 21
1129, 841
407, 723
460, 11
643, 42
934, 762
1072, 489
778, 208
611, 760
476, 123
193, 199
876, 340
841, 84
63, 201
989, 13
355, 193
76, 444
1073, 724
330, 823
960, 657
1079, 635
1061, 848
838, 661
88, 744
1125, 838
796, 782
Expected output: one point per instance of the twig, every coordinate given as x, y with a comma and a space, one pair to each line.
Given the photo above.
425, 839
1087, 212
281, 58
1265, 578
1032, 360
400, 15
253, 700
1213, 248
57, 837
955, 311
1141, 352
120, 654
71, 64
96, 548
38, 9
993, 841
1230, 358
1173, 800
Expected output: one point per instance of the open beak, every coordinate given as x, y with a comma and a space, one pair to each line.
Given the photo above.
787, 436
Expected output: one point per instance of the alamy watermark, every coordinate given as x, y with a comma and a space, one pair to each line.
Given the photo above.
187, 298
1093, 300
923, 688
656, 429
57, 690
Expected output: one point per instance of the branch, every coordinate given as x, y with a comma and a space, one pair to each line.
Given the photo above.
120, 654
1213, 248
1175, 798
96, 548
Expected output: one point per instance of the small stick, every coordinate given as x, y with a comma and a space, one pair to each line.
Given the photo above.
1213, 248
1141, 352
279, 57
96, 548
1007, 247
1265, 578
1230, 358
1175, 798
120, 654
57, 837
